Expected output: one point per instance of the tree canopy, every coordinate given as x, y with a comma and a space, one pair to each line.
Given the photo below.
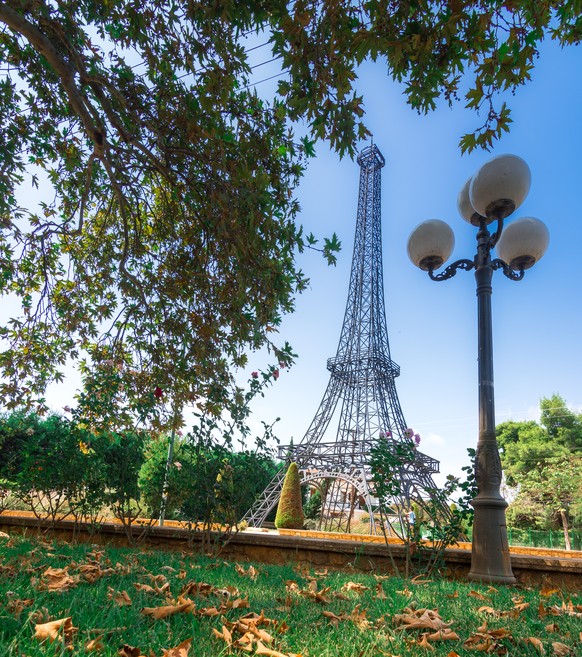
165, 247
544, 462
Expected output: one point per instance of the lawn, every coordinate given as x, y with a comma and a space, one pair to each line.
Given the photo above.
66, 599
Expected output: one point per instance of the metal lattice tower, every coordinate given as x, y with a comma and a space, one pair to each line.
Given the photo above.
361, 387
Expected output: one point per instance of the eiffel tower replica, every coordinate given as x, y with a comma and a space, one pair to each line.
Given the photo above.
362, 388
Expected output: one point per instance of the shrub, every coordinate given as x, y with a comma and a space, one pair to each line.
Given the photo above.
290, 510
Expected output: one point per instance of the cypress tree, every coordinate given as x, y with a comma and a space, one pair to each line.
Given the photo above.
290, 509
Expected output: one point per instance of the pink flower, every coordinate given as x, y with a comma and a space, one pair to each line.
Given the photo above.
158, 392
417, 439
388, 434
177, 465
255, 375
282, 365
275, 374
67, 409
408, 433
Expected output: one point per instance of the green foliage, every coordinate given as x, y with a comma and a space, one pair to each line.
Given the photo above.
312, 507
543, 461
290, 509
166, 245
436, 517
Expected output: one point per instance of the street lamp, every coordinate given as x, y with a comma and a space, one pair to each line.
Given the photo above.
496, 190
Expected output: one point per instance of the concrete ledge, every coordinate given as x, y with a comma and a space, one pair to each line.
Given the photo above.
318, 551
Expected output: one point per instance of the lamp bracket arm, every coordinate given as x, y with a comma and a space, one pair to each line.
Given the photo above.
512, 274
497, 234
452, 269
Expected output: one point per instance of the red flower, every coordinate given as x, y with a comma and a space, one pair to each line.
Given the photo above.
255, 375
276, 374
158, 392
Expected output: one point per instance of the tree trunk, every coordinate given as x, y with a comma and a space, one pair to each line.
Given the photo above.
565, 528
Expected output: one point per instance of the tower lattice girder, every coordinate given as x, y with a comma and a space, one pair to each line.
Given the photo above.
361, 386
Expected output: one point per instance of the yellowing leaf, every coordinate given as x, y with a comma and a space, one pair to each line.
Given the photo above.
54, 630
537, 644
561, 649
179, 651
95, 645
157, 613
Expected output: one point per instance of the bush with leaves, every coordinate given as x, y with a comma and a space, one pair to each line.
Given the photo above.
392, 462
290, 509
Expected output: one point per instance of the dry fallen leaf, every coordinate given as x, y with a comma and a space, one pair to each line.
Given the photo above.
157, 613
179, 651
424, 643
95, 645
353, 586
129, 651
57, 579
263, 650
561, 649
478, 596
121, 598
537, 644
444, 635
53, 630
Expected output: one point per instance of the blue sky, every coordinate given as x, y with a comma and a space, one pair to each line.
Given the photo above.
432, 326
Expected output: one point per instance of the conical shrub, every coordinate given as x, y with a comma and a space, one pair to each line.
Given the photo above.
290, 509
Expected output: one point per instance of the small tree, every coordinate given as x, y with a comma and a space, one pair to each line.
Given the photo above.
290, 509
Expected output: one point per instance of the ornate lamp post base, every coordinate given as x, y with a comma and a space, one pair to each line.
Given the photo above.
490, 558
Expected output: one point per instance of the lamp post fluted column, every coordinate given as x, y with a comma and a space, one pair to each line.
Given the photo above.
497, 189
490, 558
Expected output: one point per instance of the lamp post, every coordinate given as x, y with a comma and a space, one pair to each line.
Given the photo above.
494, 193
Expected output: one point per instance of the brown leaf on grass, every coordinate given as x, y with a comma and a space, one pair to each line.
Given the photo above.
420, 619
380, 594
53, 630
548, 589
57, 579
157, 613
95, 645
334, 619
321, 573
146, 588
444, 635
561, 649
225, 635
263, 650
16, 606
424, 643
239, 603
252, 572
129, 651
355, 587
181, 650
453, 654
478, 596
359, 618
197, 588
552, 628
522, 606
419, 580
121, 598
453, 595
542, 613
211, 612
537, 644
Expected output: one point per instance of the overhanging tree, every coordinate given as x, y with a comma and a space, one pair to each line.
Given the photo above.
166, 245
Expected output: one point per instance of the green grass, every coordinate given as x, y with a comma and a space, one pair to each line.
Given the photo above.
310, 633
